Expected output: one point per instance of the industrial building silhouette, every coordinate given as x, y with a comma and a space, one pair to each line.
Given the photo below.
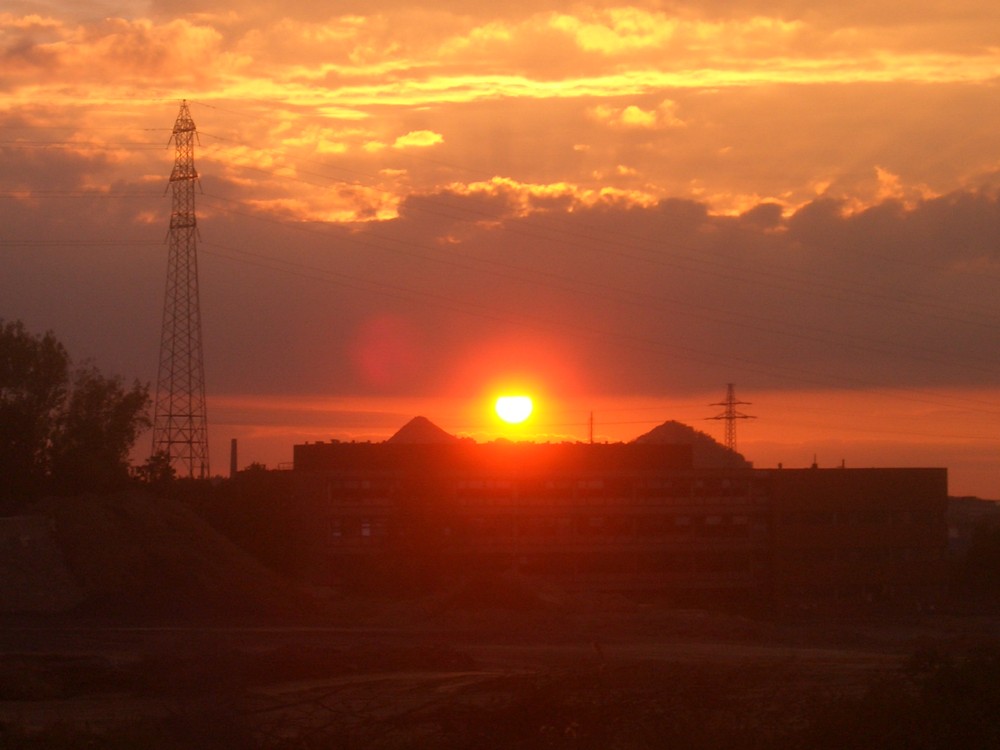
628, 517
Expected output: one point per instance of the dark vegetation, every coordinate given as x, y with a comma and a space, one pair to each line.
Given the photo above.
62, 430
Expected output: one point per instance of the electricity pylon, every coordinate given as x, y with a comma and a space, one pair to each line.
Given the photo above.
180, 427
730, 415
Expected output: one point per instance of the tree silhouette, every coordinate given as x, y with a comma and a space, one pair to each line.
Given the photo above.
157, 470
34, 374
62, 432
96, 430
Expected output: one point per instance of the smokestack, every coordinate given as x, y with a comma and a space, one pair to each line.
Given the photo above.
232, 459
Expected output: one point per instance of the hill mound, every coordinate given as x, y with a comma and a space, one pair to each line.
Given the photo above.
33, 572
706, 452
132, 554
421, 431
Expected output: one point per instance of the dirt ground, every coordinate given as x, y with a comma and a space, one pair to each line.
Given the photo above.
128, 622
459, 680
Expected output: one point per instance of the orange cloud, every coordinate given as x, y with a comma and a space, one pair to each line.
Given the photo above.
294, 77
30, 22
618, 30
633, 116
348, 204
529, 198
418, 139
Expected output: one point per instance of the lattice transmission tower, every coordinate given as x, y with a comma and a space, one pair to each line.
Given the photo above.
180, 424
730, 415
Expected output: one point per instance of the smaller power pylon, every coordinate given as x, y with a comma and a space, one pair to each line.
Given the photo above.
730, 415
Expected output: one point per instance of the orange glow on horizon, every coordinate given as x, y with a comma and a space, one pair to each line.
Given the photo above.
792, 428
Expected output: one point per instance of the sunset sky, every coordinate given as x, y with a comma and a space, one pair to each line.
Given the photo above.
407, 207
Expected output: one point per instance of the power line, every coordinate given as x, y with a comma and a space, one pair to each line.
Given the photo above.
638, 248
686, 258
617, 338
596, 291
691, 262
855, 343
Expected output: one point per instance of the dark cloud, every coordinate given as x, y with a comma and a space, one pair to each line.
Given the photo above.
61, 166
764, 215
669, 297
672, 296
437, 213
24, 52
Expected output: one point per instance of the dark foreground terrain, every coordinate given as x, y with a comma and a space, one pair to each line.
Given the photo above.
416, 675
127, 621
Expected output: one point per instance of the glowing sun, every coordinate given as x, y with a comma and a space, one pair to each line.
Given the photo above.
514, 409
